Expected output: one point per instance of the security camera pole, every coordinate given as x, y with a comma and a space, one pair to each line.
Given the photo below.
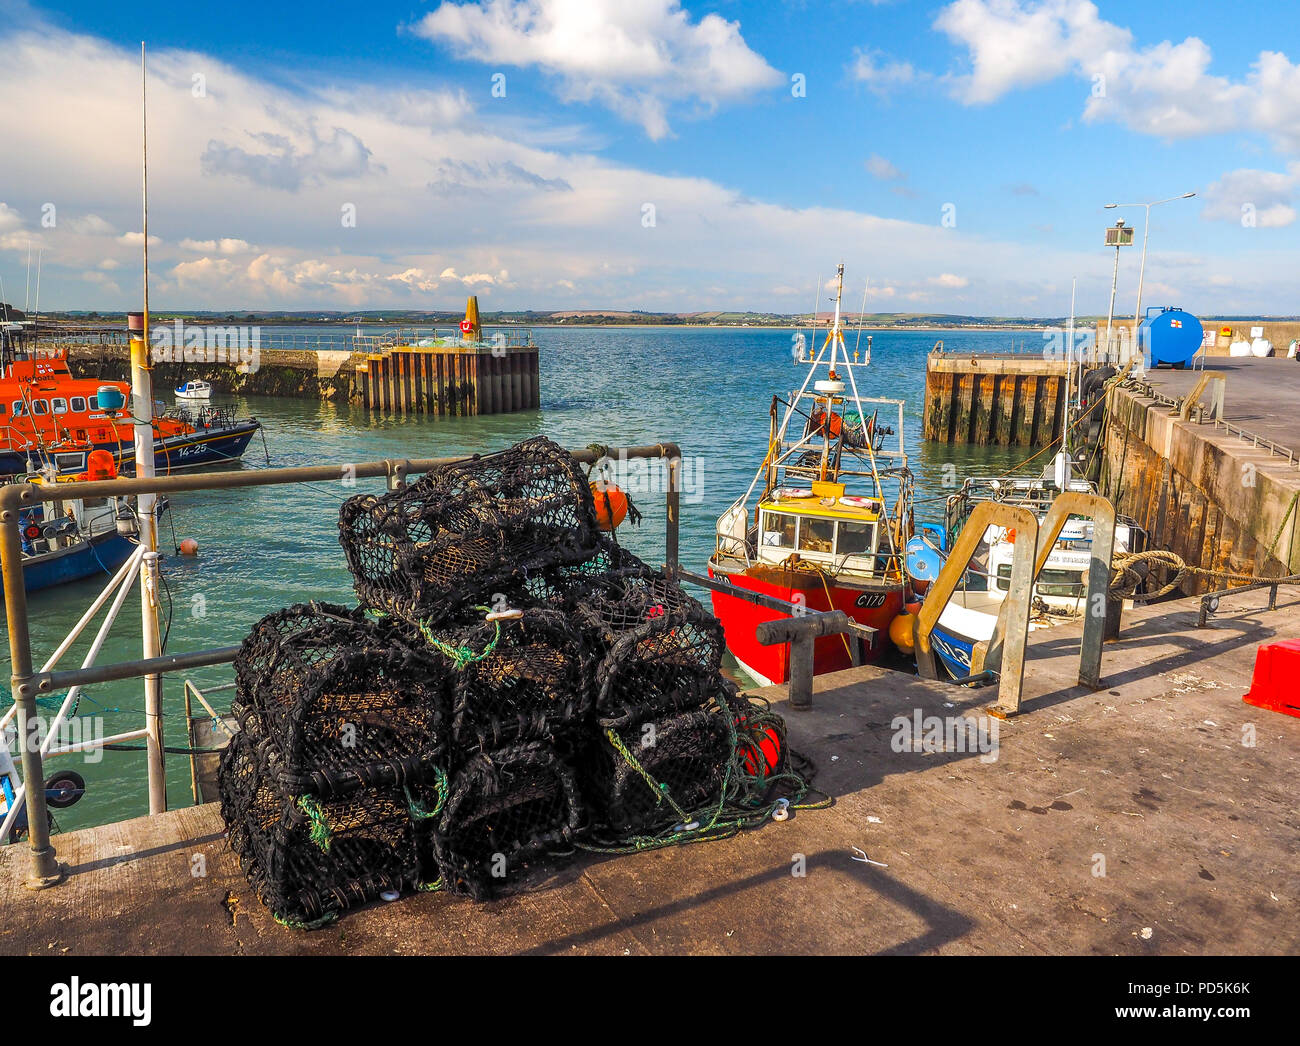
1119, 235
1146, 234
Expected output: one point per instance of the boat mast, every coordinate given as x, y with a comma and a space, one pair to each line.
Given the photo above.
834, 339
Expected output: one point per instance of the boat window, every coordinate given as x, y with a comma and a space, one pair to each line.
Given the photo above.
817, 535
855, 538
70, 462
40, 407
59, 405
19, 408
94, 403
78, 404
1069, 584
779, 528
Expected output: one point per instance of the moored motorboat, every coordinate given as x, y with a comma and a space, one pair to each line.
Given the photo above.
808, 539
195, 391
48, 415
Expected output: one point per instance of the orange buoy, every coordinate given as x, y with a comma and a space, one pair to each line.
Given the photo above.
100, 465
189, 547
900, 632
611, 505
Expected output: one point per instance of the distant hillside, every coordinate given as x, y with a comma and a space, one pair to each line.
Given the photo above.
576, 317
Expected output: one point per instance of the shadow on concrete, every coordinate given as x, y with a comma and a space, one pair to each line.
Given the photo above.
944, 925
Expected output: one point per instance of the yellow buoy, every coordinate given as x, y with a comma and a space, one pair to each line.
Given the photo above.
900, 632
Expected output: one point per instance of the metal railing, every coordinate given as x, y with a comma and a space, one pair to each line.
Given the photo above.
1209, 603
28, 683
1177, 403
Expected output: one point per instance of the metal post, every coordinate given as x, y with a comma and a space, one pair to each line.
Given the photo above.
674, 499
147, 511
1110, 312
1137, 315
801, 671
45, 868
1098, 612
1010, 665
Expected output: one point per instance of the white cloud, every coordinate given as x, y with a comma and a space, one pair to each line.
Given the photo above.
277, 163
883, 76
634, 56
1261, 198
9, 218
879, 167
1016, 44
227, 245
136, 239
948, 279
551, 226
1165, 89
91, 225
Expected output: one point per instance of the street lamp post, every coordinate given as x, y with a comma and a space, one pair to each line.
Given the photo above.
1146, 233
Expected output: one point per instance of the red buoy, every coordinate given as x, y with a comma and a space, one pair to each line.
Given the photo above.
763, 758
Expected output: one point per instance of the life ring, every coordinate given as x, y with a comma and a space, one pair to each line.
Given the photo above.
791, 493
466, 327
853, 502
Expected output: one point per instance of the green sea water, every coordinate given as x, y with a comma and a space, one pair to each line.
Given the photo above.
262, 548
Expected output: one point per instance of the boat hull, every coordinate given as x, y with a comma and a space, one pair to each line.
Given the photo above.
101, 555
202, 447
873, 606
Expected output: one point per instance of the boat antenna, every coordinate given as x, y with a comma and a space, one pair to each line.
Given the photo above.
861, 313
27, 294
36, 325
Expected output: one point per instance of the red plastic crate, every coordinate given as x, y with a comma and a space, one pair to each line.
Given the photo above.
1276, 682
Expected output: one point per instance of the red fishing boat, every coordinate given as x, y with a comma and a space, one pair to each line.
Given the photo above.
48, 415
825, 520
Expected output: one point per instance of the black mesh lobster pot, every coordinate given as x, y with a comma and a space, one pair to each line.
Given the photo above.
309, 859
341, 701
465, 530
661, 649
504, 810
518, 679
687, 756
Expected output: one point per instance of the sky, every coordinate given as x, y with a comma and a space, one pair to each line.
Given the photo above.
651, 154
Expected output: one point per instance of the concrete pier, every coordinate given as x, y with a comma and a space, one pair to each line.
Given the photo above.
1155, 816
1009, 399
452, 380
1223, 495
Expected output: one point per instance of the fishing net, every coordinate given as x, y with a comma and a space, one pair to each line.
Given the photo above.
519, 678
660, 649
505, 809
343, 701
309, 859
466, 530
528, 688
701, 774
652, 774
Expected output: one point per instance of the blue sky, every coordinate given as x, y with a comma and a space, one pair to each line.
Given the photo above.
958, 155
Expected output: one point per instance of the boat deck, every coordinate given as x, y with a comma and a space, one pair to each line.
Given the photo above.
1198, 833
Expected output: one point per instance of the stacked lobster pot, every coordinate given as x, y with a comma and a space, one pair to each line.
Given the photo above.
514, 686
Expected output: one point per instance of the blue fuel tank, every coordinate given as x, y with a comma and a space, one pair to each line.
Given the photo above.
1169, 335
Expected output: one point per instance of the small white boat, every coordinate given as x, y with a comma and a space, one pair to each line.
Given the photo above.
194, 391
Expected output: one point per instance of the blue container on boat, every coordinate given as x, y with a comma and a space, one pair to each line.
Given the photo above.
1169, 336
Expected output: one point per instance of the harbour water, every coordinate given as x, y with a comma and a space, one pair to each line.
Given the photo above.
260, 549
